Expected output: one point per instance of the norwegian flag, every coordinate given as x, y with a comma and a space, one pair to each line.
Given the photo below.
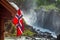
18, 21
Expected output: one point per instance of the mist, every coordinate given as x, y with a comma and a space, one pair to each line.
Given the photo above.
45, 21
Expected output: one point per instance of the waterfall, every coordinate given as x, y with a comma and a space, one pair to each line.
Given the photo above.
30, 14
36, 18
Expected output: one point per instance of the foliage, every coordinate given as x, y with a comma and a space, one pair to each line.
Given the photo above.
10, 29
49, 7
27, 32
42, 2
48, 4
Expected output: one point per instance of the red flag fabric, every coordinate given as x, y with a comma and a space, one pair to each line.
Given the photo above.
18, 21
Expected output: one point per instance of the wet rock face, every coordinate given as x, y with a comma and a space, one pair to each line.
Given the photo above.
46, 19
49, 20
53, 21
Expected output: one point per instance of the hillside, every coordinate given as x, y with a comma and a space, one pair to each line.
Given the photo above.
10, 29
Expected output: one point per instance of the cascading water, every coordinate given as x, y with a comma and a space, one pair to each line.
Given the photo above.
36, 19
30, 14
30, 18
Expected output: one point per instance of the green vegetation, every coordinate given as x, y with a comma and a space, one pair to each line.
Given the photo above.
10, 30
42, 2
27, 32
48, 4
49, 7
